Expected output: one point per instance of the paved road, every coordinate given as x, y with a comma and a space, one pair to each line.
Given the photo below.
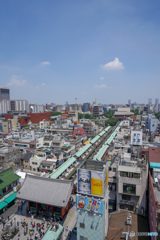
10, 211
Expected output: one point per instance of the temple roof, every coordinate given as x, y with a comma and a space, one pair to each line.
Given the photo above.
53, 192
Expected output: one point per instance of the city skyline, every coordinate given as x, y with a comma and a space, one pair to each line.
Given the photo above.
62, 50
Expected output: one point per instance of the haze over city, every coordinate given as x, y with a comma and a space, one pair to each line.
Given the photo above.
54, 51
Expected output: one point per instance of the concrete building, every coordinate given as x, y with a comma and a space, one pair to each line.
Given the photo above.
149, 101
154, 199
152, 123
90, 128
36, 108
92, 203
85, 107
129, 102
132, 186
36, 160
156, 101
4, 106
4, 93
19, 105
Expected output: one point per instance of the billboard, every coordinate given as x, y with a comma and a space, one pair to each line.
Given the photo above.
92, 182
136, 138
89, 204
84, 181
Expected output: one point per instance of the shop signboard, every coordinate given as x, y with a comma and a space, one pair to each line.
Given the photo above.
90, 204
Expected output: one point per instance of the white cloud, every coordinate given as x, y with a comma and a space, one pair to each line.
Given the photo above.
17, 81
45, 63
43, 84
115, 65
102, 78
100, 86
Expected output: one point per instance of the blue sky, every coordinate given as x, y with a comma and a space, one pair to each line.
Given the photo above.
54, 51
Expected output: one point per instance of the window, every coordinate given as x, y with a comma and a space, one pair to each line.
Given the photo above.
92, 227
126, 197
130, 174
90, 214
83, 238
129, 188
34, 169
136, 175
82, 225
123, 174
114, 169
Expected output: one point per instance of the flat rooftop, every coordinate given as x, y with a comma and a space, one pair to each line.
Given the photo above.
117, 226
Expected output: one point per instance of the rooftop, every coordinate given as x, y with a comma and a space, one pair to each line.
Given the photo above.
154, 154
53, 192
117, 225
7, 177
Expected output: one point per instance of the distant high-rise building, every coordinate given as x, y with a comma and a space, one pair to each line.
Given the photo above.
85, 107
4, 93
156, 101
149, 101
129, 102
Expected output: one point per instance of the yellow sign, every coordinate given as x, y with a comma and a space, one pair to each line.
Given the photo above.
96, 183
97, 186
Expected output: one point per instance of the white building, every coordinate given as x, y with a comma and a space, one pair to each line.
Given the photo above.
4, 106
19, 105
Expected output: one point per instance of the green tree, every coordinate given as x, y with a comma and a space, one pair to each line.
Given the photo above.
135, 111
111, 121
108, 114
56, 113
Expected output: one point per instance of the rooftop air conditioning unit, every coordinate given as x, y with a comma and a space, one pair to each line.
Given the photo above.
129, 220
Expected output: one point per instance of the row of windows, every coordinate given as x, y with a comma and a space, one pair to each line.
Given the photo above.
82, 225
34, 163
130, 174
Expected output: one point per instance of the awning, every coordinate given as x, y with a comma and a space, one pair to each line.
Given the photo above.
154, 165
3, 204
11, 198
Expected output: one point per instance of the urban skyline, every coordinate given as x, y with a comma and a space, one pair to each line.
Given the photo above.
67, 49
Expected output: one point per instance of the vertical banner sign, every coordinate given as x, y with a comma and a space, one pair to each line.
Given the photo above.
84, 181
97, 183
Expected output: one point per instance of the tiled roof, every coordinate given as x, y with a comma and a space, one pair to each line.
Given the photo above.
7, 177
54, 192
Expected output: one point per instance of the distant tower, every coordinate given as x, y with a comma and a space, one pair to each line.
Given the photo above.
76, 112
4, 93
129, 102
149, 101
156, 101
95, 109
